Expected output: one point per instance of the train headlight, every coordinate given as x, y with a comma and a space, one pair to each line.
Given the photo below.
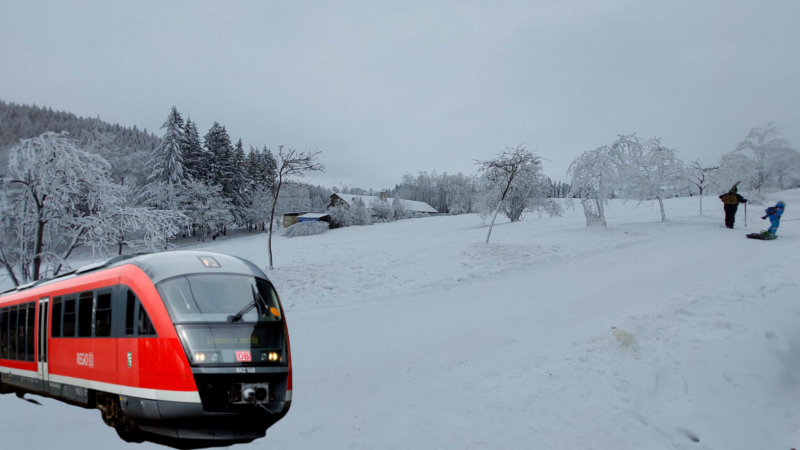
273, 356
214, 357
199, 357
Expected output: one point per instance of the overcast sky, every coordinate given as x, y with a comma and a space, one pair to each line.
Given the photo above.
384, 88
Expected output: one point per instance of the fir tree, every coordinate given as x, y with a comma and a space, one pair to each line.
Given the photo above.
269, 168
194, 156
167, 159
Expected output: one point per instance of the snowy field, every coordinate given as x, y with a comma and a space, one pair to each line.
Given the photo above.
415, 334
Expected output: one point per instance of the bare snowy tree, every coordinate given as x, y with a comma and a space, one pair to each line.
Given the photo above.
595, 178
700, 176
767, 152
290, 163
652, 171
502, 171
529, 192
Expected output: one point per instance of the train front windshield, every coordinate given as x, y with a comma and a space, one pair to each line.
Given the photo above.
226, 318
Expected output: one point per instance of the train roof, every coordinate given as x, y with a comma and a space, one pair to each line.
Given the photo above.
160, 266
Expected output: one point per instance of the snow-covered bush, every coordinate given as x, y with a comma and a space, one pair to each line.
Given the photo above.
383, 211
306, 229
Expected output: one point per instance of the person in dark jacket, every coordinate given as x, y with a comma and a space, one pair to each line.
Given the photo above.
731, 202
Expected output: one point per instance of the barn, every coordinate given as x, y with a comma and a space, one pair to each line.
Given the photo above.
408, 205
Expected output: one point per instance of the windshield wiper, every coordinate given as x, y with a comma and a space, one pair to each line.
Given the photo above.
253, 304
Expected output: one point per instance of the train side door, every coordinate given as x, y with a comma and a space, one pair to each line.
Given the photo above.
44, 376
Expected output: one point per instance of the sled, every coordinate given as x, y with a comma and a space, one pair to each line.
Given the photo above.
763, 237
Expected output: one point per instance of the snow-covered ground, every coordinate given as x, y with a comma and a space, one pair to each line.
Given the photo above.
415, 334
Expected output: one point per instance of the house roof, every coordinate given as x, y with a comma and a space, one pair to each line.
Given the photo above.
315, 215
408, 205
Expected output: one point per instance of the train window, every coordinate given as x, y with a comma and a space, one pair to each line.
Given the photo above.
129, 313
4, 334
30, 354
102, 316
85, 303
69, 318
56, 317
12, 333
146, 327
220, 298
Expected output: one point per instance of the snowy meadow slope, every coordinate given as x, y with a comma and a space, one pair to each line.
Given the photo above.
415, 334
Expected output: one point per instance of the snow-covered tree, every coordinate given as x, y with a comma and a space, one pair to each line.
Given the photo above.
383, 210
290, 163
138, 228
514, 175
595, 176
529, 191
194, 157
167, 159
340, 215
268, 168
360, 213
397, 208
168, 172
258, 212
56, 197
733, 167
205, 205
701, 177
293, 198
460, 194
652, 171
239, 176
768, 154
318, 203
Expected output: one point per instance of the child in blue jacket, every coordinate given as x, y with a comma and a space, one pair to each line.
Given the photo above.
774, 214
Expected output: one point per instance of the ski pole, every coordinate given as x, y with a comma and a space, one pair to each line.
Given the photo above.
745, 215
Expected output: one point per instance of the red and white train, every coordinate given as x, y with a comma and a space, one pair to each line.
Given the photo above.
186, 349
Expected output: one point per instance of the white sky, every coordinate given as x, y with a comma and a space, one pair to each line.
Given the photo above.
384, 88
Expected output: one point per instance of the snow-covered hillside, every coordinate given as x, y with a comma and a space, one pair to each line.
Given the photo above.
415, 334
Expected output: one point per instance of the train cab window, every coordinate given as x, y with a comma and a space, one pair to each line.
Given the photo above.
130, 310
30, 332
146, 327
219, 298
12, 333
102, 320
69, 318
85, 314
4, 334
56, 317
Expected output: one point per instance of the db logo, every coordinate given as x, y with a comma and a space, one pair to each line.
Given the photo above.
243, 357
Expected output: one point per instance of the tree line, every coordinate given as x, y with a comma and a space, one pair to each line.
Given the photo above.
632, 167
